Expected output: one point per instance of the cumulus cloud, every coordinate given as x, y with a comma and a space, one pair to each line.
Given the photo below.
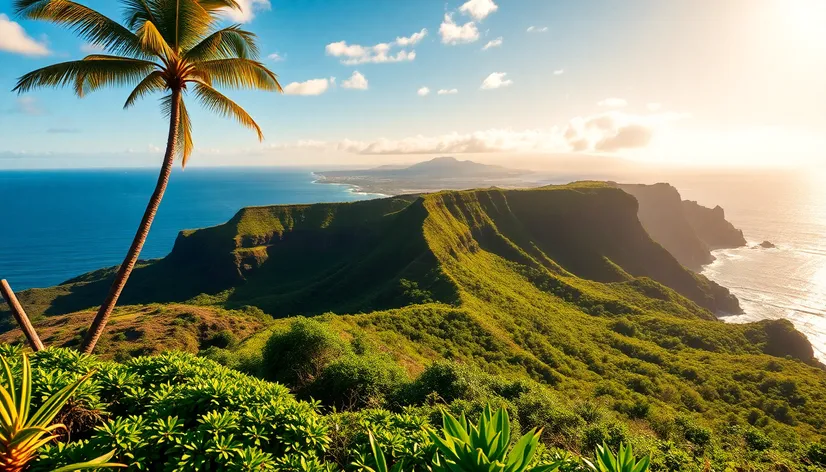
13, 38
478, 9
559, 71
453, 33
275, 57
423, 92
496, 80
537, 29
247, 10
614, 131
411, 40
353, 54
357, 81
447, 92
613, 103
603, 133
493, 43
310, 87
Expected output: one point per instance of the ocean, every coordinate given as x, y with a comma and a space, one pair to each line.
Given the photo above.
788, 210
59, 224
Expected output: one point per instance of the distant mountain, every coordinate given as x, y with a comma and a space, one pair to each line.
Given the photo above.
440, 167
441, 173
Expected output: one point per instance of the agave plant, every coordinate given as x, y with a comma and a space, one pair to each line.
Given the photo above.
485, 447
624, 461
22, 434
378, 457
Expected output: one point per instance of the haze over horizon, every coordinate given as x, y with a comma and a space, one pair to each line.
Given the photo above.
666, 83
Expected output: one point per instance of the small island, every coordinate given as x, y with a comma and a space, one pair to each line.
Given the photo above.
767, 245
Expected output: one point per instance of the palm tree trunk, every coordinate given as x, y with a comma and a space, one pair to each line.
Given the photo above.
125, 269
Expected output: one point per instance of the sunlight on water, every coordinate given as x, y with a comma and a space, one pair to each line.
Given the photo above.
786, 282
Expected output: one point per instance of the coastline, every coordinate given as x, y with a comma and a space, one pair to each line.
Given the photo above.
352, 188
733, 268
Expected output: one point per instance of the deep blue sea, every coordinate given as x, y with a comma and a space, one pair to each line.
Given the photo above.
58, 224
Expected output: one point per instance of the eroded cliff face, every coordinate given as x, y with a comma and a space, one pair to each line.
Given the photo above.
688, 230
711, 226
573, 240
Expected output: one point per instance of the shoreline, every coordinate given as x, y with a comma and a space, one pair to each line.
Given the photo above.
354, 189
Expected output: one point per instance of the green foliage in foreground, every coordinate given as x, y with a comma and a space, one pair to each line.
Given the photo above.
177, 412
22, 433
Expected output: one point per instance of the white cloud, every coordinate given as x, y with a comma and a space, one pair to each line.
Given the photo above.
423, 92
608, 132
537, 29
247, 11
447, 92
655, 106
90, 48
13, 38
453, 33
275, 57
493, 43
411, 40
559, 71
478, 9
353, 54
357, 82
496, 80
614, 131
310, 87
613, 103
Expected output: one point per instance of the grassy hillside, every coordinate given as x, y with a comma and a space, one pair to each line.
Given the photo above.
554, 301
378, 254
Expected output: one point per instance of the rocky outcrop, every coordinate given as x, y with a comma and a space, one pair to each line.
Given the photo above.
688, 230
711, 227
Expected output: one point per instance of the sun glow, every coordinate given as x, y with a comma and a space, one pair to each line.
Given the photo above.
806, 20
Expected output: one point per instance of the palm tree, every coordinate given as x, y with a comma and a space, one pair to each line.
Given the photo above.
172, 47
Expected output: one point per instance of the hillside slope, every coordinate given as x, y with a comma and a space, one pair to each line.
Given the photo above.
389, 253
559, 287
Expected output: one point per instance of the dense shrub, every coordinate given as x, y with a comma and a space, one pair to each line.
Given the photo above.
355, 381
297, 356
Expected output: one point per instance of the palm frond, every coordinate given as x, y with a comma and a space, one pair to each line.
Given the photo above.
183, 137
136, 12
87, 23
240, 73
153, 41
153, 82
185, 142
226, 43
219, 5
220, 104
87, 74
183, 22
100, 71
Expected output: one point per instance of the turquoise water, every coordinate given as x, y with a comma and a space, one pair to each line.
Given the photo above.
58, 224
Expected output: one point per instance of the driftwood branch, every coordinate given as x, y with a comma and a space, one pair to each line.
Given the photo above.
20, 316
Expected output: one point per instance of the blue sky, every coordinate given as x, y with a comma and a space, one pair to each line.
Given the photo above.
695, 81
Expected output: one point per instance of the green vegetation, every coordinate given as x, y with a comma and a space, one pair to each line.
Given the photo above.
164, 47
552, 302
22, 433
177, 412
